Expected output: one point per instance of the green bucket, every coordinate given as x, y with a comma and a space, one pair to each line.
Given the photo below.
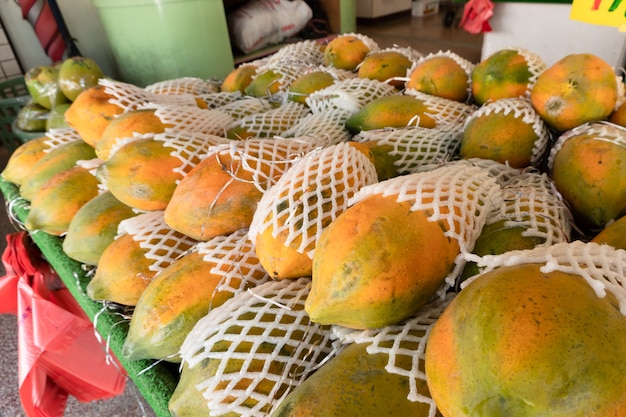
158, 40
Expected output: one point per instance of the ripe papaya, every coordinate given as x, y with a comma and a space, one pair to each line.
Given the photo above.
377, 264
355, 383
94, 227
185, 291
613, 234
23, 158
522, 341
403, 110
57, 159
56, 203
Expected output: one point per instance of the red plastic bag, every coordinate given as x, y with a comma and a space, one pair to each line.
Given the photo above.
58, 351
476, 15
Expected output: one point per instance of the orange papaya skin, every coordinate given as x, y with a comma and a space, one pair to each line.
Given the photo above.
377, 264
517, 333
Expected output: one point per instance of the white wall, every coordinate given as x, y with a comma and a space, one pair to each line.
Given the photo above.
547, 30
83, 23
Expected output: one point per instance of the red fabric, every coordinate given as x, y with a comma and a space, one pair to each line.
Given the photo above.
46, 29
476, 15
58, 351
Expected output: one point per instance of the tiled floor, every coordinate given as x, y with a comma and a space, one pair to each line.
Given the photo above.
423, 34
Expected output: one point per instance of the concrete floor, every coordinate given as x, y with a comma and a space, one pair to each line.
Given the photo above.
424, 34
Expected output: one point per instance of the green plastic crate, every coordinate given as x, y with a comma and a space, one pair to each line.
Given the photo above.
13, 96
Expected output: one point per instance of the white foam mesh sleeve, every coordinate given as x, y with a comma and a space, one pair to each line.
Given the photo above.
273, 122
327, 127
602, 266
261, 161
247, 106
350, 94
184, 85
531, 201
303, 53
311, 194
442, 110
234, 259
416, 148
404, 339
262, 335
131, 97
162, 243
459, 193
194, 119
60, 136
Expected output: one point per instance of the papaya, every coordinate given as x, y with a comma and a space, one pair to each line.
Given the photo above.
291, 216
613, 234
24, 157
356, 383
94, 227
143, 247
91, 112
442, 74
265, 84
523, 341
56, 203
56, 117
220, 194
577, 89
123, 272
508, 131
57, 159
389, 66
377, 264
76, 74
126, 127
586, 167
307, 83
239, 78
347, 51
506, 73
185, 291
402, 110
142, 174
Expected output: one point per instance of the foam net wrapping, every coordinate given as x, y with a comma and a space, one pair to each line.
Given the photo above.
608, 132
459, 193
131, 97
303, 53
163, 245
247, 106
193, 119
287, 72
405, 339
262, 344
416, 149
261, 161
530, 200
350, 94
521, 109
273, 122
602, 266
536, 65
327, 128
220, 98
60, 136
234, 259
184, 85
311, 194
442, 110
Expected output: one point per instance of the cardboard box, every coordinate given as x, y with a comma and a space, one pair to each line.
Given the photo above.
422, 8
371, 9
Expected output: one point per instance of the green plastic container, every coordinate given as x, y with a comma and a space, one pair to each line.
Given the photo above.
13, 96
158, 40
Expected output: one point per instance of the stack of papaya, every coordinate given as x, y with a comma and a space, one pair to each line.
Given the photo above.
342, 229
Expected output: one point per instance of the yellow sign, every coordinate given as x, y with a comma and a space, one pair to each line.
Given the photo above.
600, 12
